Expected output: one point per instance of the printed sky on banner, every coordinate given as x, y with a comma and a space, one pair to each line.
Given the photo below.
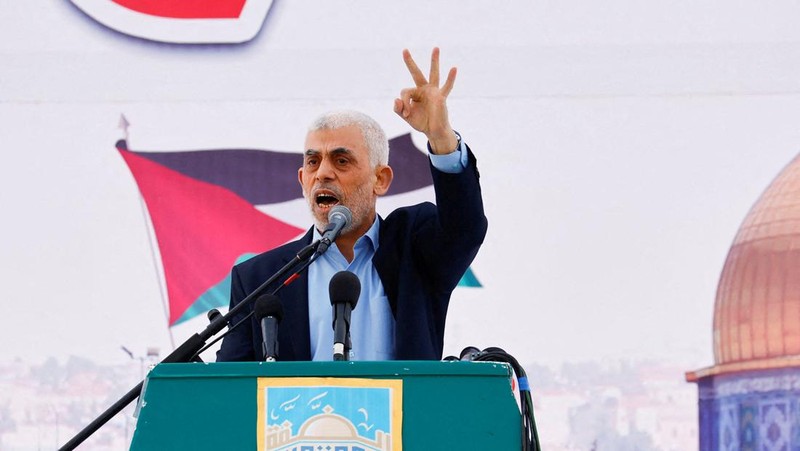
618, 157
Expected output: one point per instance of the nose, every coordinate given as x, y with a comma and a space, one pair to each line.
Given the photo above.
325, 171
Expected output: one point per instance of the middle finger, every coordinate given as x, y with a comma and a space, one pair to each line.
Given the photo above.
434, 76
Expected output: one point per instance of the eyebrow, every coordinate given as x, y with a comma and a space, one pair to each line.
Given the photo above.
336, 151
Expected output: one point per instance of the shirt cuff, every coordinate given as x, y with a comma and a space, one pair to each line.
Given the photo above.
453, 162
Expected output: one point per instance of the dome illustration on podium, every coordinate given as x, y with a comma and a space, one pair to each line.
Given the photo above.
326, 431
750, 397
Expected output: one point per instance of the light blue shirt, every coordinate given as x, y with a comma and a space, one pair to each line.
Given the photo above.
371, 323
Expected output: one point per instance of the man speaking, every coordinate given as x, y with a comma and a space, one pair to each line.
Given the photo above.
408, 263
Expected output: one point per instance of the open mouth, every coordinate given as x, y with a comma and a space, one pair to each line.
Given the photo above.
325, 200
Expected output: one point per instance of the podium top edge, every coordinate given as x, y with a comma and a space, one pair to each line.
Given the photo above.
381, 369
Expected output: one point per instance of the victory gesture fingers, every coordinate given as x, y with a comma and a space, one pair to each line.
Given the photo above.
424, 106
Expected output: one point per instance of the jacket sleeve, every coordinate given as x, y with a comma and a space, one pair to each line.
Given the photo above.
447, 242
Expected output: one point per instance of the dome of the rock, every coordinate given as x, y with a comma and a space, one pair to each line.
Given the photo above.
750, 397
757, 308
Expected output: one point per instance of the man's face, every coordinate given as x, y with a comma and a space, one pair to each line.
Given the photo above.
337, 171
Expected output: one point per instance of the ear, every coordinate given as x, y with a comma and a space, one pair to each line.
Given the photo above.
300, 176
383, 178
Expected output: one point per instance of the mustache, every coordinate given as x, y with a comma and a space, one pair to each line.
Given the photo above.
322, 186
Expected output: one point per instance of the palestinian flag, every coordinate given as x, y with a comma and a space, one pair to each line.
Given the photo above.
204, 209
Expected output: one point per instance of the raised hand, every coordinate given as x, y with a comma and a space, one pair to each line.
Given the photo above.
424, 106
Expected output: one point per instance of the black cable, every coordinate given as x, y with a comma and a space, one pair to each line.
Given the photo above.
530, 436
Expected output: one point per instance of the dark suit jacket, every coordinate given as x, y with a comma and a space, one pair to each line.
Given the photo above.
423, 252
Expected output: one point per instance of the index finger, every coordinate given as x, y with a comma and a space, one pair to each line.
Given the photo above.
416, 74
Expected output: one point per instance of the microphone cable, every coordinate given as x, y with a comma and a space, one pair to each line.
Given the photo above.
530, 436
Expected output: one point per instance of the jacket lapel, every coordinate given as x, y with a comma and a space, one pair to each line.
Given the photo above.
387, 264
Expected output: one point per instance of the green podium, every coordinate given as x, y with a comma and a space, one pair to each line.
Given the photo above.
328, 406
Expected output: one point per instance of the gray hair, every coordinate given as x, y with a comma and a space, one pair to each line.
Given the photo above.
373, 134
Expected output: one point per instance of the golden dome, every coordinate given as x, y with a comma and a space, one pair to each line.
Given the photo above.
328, 426
757, 308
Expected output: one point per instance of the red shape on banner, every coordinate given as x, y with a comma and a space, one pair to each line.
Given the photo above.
186, 9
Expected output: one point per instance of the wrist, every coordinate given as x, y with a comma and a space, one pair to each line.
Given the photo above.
446, 144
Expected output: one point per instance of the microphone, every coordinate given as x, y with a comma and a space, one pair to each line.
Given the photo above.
344, 290
268, 310
338, 218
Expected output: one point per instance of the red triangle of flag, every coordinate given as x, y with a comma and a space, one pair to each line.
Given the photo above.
201, 229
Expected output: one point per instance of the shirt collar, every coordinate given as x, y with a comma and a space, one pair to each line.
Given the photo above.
373, 234
371, 237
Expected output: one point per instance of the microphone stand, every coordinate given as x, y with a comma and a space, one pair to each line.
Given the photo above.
189, 350
341, 332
